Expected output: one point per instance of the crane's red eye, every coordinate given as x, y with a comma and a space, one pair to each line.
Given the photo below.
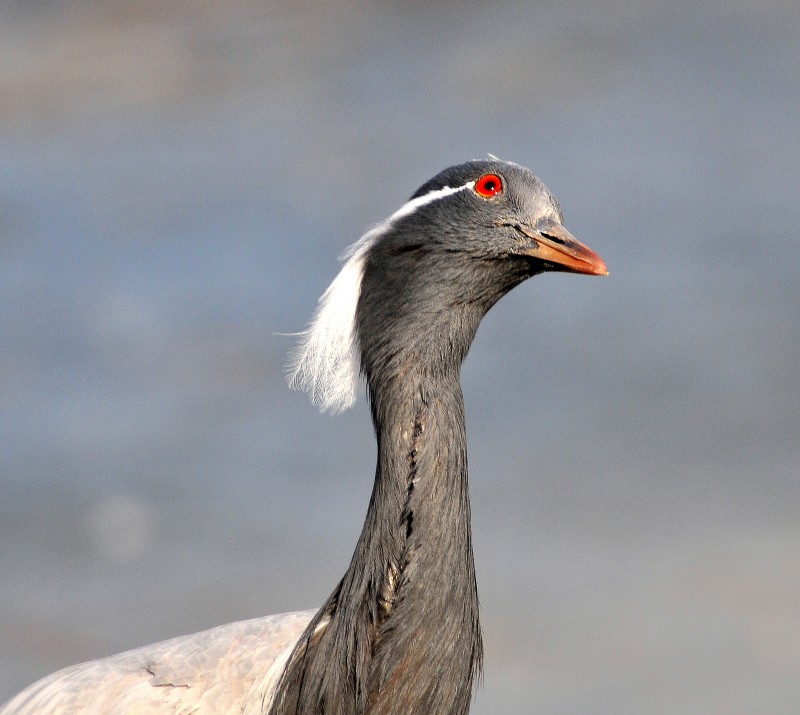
489, 185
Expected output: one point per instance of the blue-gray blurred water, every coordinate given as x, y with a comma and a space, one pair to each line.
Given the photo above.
176, 182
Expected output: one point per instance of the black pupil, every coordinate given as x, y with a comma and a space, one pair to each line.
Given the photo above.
489, 185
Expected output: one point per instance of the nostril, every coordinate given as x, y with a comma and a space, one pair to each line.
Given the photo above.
555, 239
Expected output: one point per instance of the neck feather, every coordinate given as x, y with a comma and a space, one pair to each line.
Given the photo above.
402, 631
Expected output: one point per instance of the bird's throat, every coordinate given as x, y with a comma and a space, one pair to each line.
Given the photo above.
403, 633
428, 644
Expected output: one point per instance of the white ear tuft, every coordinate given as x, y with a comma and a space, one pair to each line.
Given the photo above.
326, 361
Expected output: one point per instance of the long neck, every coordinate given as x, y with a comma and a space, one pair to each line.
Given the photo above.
418, 538
402, 631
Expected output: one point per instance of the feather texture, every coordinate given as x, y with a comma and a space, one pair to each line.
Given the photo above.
325, 363
225, 670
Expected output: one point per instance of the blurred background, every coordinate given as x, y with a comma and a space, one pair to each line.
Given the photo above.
177, 181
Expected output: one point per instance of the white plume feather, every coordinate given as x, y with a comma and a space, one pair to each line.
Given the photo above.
326, 363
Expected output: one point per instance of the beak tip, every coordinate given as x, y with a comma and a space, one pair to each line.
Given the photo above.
597, 266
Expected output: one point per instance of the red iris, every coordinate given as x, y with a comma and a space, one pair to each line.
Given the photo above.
489, 185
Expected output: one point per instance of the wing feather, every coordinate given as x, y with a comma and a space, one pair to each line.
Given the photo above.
225, 670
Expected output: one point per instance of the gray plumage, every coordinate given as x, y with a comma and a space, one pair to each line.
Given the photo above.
400, 633
227, 670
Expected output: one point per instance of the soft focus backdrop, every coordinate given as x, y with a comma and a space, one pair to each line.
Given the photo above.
176, 183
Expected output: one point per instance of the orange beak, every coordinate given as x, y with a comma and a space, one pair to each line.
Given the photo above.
553, 244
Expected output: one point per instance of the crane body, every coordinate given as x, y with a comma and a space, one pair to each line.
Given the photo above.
400, 632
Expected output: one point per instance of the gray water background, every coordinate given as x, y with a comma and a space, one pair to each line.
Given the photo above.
176, 183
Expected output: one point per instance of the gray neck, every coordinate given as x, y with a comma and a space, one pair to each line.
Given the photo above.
403, 634
429, 643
